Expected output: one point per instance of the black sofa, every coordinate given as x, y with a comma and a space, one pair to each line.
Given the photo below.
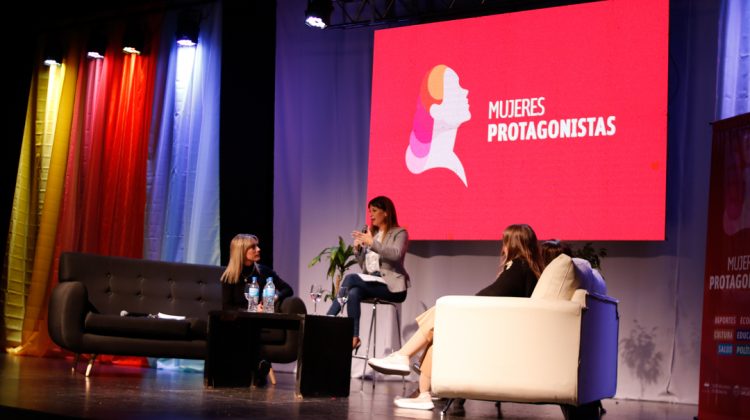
86, 309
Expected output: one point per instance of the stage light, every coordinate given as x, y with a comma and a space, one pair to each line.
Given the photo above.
97, 45
318, 13
53, 52
133, 40
188, 27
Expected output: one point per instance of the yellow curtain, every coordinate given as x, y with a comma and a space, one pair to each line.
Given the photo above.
36, 206
23, 216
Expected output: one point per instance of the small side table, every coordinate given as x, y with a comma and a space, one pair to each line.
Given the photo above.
324, 365
233, 347
324, 358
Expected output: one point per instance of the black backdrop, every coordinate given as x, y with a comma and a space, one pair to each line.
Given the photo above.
247, 123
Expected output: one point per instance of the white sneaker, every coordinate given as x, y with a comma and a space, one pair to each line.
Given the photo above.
393, 364
422, 402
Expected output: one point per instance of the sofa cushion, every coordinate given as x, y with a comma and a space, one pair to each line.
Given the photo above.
198, 329
272, 336
558, 280
136, 327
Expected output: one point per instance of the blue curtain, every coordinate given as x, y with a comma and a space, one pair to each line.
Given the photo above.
182, 205
184, 151
734, 59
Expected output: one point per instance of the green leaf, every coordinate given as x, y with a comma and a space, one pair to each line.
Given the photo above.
340, 258
315, 260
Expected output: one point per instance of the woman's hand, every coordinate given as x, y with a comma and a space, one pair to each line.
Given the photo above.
362, 238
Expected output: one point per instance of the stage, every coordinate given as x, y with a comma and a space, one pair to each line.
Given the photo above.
46, 388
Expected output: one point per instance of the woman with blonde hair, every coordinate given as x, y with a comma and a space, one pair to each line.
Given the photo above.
243, 265
244, 254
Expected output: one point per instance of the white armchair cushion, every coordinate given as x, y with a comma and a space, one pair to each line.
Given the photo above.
522, 349
558, 280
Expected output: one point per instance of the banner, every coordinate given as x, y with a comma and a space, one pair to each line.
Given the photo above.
725, 343
555, 117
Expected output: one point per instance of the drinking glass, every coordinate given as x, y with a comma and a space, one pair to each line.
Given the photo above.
316, 293
342, 297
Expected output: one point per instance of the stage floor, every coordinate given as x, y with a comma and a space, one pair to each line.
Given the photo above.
33, 387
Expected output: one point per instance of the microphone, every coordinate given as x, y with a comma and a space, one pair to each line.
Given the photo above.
362, 246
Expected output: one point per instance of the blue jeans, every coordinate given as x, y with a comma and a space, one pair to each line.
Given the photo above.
360, 290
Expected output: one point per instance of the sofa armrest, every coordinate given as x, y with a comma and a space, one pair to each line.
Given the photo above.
506, 349
68, 306
287, 351
293, 305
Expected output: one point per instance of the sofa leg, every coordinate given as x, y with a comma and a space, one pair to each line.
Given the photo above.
447, 406
75, 362
90, 365
271, 376
588, 411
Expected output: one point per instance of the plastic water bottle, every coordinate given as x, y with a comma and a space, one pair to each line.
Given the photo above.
254, 296
269, 295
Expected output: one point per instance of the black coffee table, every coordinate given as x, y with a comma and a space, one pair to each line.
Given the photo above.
323, 360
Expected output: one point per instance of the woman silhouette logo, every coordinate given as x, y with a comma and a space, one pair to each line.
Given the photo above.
442, 107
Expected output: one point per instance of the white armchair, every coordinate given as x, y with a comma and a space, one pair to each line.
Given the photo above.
560, 346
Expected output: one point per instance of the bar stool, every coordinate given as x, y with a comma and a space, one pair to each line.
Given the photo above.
372, 337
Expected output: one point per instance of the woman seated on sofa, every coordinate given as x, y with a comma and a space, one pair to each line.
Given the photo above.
244, 254
521, 266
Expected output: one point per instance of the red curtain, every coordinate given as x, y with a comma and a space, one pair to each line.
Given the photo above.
104, 193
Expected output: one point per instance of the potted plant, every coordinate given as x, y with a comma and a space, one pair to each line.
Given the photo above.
589, 253
340, 258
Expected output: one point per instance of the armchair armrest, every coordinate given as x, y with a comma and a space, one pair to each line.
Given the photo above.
506, 349
68, 306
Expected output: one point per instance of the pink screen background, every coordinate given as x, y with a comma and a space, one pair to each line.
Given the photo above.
596, 59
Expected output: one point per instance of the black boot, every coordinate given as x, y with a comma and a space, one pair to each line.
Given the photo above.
261, 374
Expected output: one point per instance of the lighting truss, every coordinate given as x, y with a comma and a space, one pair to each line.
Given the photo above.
358, 13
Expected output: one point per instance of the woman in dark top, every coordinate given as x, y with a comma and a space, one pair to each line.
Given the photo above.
521, 265
552, 248
244, 254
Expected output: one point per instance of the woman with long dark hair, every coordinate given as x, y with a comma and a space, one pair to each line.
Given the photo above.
520, 266
380, 250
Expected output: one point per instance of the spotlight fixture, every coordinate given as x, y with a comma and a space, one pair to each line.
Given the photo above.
53, 52
97, 45
318, 13
133, 40
188, 27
